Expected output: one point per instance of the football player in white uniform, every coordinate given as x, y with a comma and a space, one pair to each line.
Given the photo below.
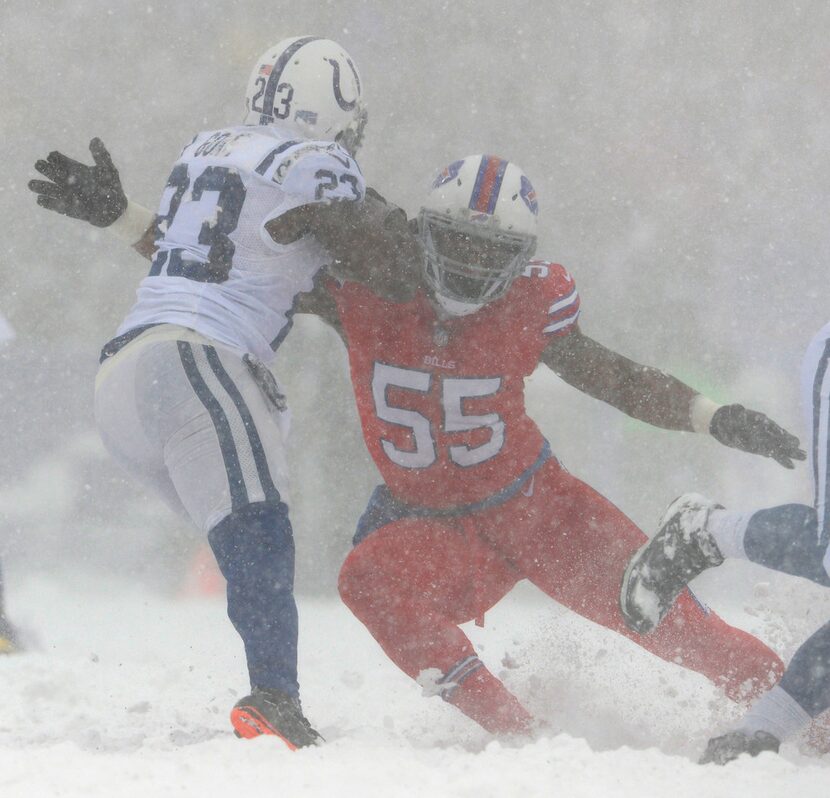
249, 216
696, 534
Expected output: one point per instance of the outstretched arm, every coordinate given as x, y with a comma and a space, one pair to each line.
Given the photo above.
370, 242
93, 194
662, 400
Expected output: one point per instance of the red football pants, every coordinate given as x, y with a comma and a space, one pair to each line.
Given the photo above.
413, 581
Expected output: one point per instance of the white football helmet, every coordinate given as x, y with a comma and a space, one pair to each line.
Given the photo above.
478, 228
311, 85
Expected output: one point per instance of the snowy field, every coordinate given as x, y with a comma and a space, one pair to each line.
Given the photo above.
128, 691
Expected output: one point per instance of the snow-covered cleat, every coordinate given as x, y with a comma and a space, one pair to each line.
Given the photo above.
660, 570
268, 711
729, 747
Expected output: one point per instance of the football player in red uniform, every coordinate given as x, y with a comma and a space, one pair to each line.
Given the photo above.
474, 500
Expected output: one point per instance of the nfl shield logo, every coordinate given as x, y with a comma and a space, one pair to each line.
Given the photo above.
440, 336
528, 194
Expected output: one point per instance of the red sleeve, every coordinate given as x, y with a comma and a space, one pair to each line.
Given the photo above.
554, 294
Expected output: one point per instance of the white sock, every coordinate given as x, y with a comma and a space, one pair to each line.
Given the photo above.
728, 529
776, 713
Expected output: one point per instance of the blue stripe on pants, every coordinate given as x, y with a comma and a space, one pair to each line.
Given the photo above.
236, 482
257, 449
820, 445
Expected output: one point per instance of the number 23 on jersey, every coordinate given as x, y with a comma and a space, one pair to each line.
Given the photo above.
219, 193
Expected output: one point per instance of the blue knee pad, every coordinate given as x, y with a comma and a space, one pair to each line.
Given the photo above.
254, 547
785, 538
807, 678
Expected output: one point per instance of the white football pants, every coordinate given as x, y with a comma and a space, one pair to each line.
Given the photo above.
185, 415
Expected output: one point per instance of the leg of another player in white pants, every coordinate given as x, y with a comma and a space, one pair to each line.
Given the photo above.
786, 538
791, 538
188, 417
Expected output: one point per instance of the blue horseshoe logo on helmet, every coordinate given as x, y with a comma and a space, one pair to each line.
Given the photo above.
346, 105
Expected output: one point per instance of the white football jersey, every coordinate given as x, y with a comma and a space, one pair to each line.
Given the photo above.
216, 269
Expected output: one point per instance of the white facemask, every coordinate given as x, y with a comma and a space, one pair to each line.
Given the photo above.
454, 308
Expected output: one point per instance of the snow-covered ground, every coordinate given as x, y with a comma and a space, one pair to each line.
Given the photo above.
127, 694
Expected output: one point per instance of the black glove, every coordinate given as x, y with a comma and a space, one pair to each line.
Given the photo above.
90, 193
751, 431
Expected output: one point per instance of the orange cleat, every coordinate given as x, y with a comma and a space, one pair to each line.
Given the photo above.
268, 711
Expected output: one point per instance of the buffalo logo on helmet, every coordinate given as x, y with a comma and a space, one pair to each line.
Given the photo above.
448, 173
528, 194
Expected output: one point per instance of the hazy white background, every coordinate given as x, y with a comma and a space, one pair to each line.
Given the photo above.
679, 151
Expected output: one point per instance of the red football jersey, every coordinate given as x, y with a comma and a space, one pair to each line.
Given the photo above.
441, 401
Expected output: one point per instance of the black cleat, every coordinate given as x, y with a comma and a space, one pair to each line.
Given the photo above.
660, 570
273, 712
727, 748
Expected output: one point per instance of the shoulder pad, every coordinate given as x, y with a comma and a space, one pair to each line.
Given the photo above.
556, 290
282, 159
314, 172
241, 146
550, 273
310, 173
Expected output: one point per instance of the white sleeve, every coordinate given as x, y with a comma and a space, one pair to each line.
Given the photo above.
316, 173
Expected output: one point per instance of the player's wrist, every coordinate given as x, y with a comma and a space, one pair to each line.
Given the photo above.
701, 411
133, 223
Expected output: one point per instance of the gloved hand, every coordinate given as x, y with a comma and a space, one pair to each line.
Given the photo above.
753, 432
91, 193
